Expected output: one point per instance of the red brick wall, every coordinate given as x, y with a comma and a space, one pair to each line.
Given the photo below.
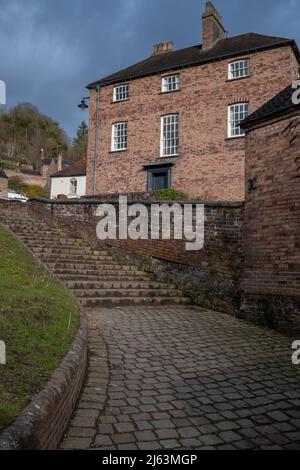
210, 277
272, 222
3, 187
209, 165
223, 233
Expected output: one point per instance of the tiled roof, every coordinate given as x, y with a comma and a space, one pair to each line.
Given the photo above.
225, 48
278, 105
78, 169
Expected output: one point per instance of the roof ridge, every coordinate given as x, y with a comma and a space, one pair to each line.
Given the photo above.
77, 169
194, 55
278, 104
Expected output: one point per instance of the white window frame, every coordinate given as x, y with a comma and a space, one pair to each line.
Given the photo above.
119, 136
163, 140
171, 83
73, 186
121, 93
234, 129
239, 69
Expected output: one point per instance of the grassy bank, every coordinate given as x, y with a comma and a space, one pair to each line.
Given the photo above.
38, 320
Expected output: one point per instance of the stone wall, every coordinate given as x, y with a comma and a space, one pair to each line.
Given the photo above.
271, 279
209, 165
27, 178
210, 276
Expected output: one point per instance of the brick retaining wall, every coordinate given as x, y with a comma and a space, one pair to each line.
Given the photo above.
210, 276
271, 277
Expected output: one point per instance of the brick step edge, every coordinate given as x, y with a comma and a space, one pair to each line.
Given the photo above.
42, 424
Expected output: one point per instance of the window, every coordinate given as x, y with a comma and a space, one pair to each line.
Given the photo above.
121, 93
170, 135
159, 178
73, 186
119, 136
239, 69
171, 83
237, 113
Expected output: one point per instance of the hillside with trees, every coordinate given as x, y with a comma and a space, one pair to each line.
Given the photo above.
24, 131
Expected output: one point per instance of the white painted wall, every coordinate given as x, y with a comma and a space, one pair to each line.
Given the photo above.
62, 185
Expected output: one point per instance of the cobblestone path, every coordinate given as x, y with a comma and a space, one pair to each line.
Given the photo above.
184, 378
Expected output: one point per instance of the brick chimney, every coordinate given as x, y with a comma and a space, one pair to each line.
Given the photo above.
163, 48
212, 26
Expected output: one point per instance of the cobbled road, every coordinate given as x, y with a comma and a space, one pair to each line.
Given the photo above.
185, 378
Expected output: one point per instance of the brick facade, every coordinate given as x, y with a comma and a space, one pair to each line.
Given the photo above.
209, 165
271, 280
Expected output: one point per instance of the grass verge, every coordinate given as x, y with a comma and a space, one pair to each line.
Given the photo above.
38, 320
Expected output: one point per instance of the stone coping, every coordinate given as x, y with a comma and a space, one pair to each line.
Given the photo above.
87, 202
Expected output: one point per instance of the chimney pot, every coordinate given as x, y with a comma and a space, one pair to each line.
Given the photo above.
163, 48
212, 26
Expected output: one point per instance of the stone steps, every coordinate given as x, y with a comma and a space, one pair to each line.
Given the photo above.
95, 277
52, 240
122, 293
90, 266
117, 284
78, 259
70, 251
133, 301
102, 278
87, 272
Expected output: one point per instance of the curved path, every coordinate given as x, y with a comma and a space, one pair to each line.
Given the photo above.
167, 378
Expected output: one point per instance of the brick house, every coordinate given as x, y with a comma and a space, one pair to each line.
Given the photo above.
271, 279
172, 120
3, 184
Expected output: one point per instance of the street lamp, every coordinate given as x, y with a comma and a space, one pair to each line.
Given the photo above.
83, 106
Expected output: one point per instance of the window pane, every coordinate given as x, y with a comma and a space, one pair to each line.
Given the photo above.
237, 113
170, 135
171, 83
239, 69
120, 136
121, 93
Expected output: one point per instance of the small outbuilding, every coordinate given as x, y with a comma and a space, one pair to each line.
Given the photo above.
69, 182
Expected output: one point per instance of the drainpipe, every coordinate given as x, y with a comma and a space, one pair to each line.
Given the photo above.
97, 132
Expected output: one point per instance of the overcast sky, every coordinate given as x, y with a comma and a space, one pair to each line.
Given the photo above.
51, 49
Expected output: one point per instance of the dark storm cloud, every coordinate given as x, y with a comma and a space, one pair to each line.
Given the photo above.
51, 49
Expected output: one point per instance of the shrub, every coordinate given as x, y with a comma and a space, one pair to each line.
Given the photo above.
30, 190
170, 195
33, 191
17, 185
8, 165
